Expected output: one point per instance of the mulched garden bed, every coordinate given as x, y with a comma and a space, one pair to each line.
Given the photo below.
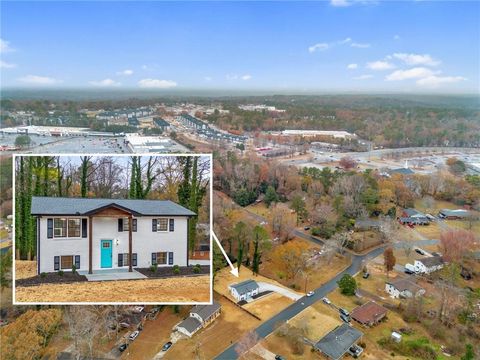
51, 278
167, 272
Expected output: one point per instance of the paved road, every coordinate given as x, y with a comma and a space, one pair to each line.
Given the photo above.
269, 326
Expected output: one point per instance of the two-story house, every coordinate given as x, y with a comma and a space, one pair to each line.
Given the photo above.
200, 317
428, 265
95, 234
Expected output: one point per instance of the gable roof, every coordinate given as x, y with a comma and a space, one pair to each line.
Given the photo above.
405, 284
402, 171
456, 212
413, 212
432, 261
190, 324
245, 286
205, 311
85, 206
338, 341
368, 312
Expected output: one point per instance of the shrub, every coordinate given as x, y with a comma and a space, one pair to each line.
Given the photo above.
196, 269
175, 267
42, 275
347, 285
154, 268
74, 269
60, 272
176, 270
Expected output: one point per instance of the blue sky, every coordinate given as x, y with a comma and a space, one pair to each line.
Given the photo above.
340, 45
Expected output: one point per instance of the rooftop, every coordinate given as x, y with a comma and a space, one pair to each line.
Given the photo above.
403, 284
245, 286
368, 312
190, 324
432, 261
205, 311
336, 343
84, 206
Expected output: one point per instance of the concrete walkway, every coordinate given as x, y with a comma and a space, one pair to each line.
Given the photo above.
278, 289
112, 274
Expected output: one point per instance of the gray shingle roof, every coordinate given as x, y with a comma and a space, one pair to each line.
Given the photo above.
456, 212
432, 261
82, 206
402, 171
205, 311
405, 284
190, 324
245, 286
338, 341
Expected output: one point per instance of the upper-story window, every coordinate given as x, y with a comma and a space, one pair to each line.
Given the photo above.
126, 224
162, 224
63, 227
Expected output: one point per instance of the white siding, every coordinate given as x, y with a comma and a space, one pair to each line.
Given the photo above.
144, 243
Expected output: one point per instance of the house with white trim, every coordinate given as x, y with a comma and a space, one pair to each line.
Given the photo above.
244, 290
403, 288
96, 234
200, 317
428, 265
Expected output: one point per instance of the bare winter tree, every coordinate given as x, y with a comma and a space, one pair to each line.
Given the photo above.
246, 343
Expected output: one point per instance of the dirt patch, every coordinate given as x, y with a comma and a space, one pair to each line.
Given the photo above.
25, 269
184, 289
317, 323
168, 272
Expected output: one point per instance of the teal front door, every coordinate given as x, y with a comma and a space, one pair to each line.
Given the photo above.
106, 253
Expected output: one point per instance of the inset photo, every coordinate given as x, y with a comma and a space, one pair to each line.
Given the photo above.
112, 229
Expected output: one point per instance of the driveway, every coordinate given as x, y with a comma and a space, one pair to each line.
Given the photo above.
279, 290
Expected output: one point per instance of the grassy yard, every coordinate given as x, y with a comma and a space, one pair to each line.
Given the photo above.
226, 329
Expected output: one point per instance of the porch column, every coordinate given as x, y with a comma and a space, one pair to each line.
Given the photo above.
90, 242
130, 220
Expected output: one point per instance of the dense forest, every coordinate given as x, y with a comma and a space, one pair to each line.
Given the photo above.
181, 179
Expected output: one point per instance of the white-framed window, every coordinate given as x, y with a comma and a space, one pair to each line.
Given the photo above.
161, 258
125, 223
125, 259
60, 227
66, 262
162, 224
74, 227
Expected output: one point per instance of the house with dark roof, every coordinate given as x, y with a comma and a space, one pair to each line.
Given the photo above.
403, 288
95, 234
338, 341
414, 217
369, 314
428, 265
367, 224
161, 123
244, 290
402, 171
200, 317
457, 214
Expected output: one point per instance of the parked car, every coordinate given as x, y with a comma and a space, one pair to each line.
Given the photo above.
306, 228
167, 346
419, 251
344, 312
310, 293
326, 300
409, 272
366, 275
345, 318
279, 357
123, 347
134, 335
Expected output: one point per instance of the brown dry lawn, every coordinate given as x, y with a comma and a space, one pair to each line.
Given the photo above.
268, 306
25, 269
318, 322
211, 341
187, 289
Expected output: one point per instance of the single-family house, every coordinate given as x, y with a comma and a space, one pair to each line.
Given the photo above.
428, 265
200, 316
403, 288
414, 217
367, 224
369, 314
95, 234
338, 341
244, 290
457, 214
402, 171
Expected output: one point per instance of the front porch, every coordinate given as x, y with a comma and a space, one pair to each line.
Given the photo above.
112, 274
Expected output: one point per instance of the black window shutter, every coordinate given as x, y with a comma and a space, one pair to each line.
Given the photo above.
170, 258
56, 263
84, 228
134, 259
154, 225
120, 260
120, 225
154, 258
134, 224
77, 262
50, 228
171, 223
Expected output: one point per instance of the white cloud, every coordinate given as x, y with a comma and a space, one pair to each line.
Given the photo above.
318, 47
5, 46
6, 65
380, 65
340, 3
413, 73
396, 37
39, 80
435, 81
208, 78
352, 66
417, 59
345, 41
360, 45
105, 83
126, 72
156, 84
246, 77
345, 3
363, 77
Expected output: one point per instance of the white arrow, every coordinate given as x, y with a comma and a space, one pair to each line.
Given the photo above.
234, 270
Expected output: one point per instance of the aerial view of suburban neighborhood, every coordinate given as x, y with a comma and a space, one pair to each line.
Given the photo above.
301, 189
